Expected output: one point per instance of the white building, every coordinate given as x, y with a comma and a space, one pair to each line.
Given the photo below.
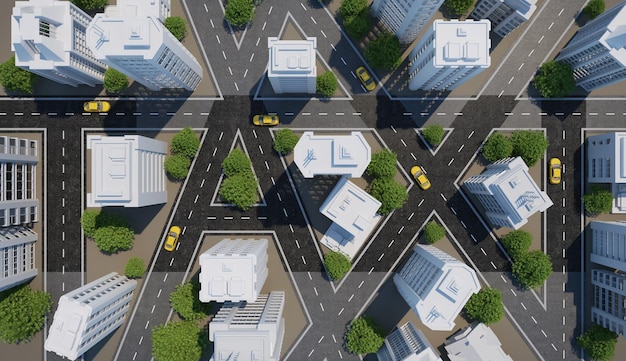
597, 53
18, 181
608, 246
609, 299
407, 343
476, 342
48, 38
17, 256
605, 164
249, 331
508, 193
450, 53
292, 67
88, 314
505, 15
233, 270
126, 171
405, 18
354, 215
131, 38
346, 155
436, 286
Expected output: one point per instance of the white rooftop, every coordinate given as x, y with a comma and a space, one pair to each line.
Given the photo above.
462, 43
476, 342
332, 154
523, 7
160, 9
292, 57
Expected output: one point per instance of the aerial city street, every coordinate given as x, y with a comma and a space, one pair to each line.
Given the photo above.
324, 180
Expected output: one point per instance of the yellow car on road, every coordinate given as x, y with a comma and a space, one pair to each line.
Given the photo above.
172, 238
365, 78
420, 177
97, 106
555, 171
265, 120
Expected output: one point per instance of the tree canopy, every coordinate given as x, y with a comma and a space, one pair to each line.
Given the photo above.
485, 306
433, 134
384, 52
285, 140
236, 162
458, 7
92, 219
599, 200
178, 341
22, 313
594, 8
185, 142
382, 164
177, 26
337, 264
177, 166
433, 232
599, 343
517, 243
326, 84
497, 147
115, 81
90, 4
554, 80
532, 269
530, 145
358, 25
351, 8
14, 78
112, 239
364, 336
239, 12
240, 190
135, 268
185, 301
390, 194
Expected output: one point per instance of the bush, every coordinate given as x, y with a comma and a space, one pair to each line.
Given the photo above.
458, 7
497, 147
532, 269
337, 264
384, 52
383, 164
90, 4
240, 190
185, 142
599, 200
517, 243
358, 25
178, 341
351, 8
92, 219
554, 80
88, 222
14, 78
285, 140
177, 166
237, 162
114, 81
239, 12
390, 194
177, 26
135, 268
112, 239
326, 84
530, 145
594, 8
433, 232
433, 134
485, 306
364, 336
186, 302
22, 313
599, 343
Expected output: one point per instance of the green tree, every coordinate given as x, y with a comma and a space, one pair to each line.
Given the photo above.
239, 12
384, 52
135, 268
485, 306
497, 147
594, 8
364, 336
177, 26
390, 194
178, 341
14, 78
350, 8
90, 4
285, 140
599, 200
458, 7
240, 190
326, 84
237, 162
114, 81
532, 269
599, 343
185, 142
337, 264
383, 164
22, 313
433, 134
93, 219
185, 301
517, 243
177, 166
358, 25
554, 80
112, 239
530, 145
433, 232
88, 222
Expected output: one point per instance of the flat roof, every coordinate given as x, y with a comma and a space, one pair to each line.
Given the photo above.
462, 43
292, 57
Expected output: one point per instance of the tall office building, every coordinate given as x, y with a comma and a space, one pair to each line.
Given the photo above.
508, 193
436, 286
130, 37
88, 314
17, 256
407, 343
251, 331
476, 342
405, 18
18, 183
606, 163
609, 299
48, 37
505, 15
608, 244
450, 53
292, 67
596, 53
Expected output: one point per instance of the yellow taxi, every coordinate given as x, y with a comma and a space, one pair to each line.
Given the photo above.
265, 120
555, 170
420, 177
365, 78
96, 106
172, 238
